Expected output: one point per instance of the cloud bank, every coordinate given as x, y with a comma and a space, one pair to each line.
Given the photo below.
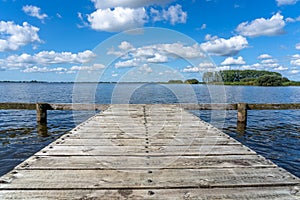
13, 36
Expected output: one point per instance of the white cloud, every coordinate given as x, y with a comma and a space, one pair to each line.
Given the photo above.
289, 19
118, 19
131, 56
191, 69
264, 56
36, 69
232, 61
180, 50
58, 15
221, 68
209, 37
286, 2
269, 61
94, 67
116, 15
294, 71
204, 26
296, 56
100, 4
127, 63
297, 46
83, 22
175, 15
205, 66
295, 62
34, 11
177, 50
269, 65
256, 65
46, 58
125, 46
247, 67
260, 66
145, 69
281, 68
225, 47
63, 70
13, 36
263, 27
158, 58
156, 15
144, 52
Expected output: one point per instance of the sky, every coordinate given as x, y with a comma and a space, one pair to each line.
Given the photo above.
146, 40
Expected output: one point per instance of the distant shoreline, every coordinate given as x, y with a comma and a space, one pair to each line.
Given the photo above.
166, 83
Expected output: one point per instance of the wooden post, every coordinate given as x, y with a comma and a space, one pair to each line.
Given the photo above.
41, 118
242, 115
41, 113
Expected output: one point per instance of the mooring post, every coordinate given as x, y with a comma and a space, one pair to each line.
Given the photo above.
242, 114
41, 113
41, 118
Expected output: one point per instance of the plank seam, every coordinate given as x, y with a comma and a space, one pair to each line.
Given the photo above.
267, 185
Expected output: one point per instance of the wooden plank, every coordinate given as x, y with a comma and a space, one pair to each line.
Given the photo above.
133, 162
17, 106
209, 106
158, 132
258, 193
108, 127
274, 106
150, 122
121, 134
75, 106
135, 179
57, 150
183, 141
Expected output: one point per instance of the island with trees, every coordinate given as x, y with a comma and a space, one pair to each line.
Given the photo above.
247, 77
241, 77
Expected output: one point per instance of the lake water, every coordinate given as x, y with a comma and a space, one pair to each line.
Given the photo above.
273, 134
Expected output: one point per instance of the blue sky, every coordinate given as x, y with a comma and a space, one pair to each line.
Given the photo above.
69, 40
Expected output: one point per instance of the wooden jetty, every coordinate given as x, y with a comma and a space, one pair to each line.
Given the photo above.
147, 152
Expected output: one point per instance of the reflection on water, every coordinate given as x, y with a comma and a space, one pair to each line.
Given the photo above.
241, 128
42, 130
273, 134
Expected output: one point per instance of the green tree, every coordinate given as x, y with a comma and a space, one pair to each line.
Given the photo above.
175, 81
235, 75
270, 80
191, 81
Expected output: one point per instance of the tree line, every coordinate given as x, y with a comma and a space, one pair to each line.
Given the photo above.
247, 77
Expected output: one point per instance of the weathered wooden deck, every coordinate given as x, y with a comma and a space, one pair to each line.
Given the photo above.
147, 152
